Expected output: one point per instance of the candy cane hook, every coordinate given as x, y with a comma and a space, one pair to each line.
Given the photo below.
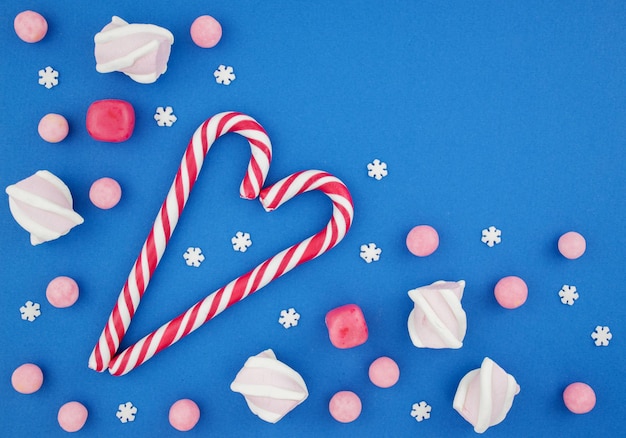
167, 218
238, 289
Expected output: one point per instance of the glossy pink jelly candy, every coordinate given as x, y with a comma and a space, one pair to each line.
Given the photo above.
111, 120
346, 326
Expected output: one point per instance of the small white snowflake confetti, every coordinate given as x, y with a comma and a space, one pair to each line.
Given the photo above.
568, 294
224, 75
241, 241
193, 257
126, 412
48, 77
30, 311
491, 236
421, 411
165, 116
289, 318
602, 336
377, 169
370, 253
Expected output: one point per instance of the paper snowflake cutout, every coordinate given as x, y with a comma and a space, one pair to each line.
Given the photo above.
370, 253
48, 77
30, 311
165, 116
241, 242
568, 294
377, 169
491, 236
602, 336
289, 318
126, 412
193, 257
421, 411
224, 75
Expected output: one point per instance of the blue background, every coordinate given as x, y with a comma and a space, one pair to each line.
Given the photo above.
487, 113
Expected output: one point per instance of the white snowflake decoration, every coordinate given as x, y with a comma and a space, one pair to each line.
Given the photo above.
30, 311
126, 412
421, 411
491, 236
165, 116
602, 336
377, 169
48, 77
289, 318
241, 242
193, 257
224, 75
370, 253
568, 294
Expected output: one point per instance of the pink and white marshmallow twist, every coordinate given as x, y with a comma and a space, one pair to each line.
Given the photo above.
271, 197
167, 218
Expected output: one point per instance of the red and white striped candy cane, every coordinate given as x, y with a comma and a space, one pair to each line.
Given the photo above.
166, 220
235, 291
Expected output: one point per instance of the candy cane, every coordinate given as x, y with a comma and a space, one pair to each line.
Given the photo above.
238, 289
167, 218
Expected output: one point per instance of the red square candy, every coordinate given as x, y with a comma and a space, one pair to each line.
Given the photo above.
346, 326
111, 120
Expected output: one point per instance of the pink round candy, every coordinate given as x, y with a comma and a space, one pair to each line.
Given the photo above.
206, 31
27, 378
384, 372
184, 415
105, 193
511, 292
30, 26
572, 245
579, 398
345, 406
422, 240
53, 128
72, 416
62, 292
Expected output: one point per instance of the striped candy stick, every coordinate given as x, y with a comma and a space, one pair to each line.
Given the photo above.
204, 310
167, 218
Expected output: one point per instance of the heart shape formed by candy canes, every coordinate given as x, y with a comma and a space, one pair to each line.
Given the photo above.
104, 354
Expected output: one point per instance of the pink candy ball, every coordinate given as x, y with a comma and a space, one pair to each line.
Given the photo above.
27, 378
72, 416
511, 292
30, 26
345, 406
572, 245
384, 372
62, 292
105, 193
422, 240
206, 31
579, 398
184, 415
53, 128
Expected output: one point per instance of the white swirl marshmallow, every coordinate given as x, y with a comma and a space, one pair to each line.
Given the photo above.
485, 395
438, 320
271, 388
